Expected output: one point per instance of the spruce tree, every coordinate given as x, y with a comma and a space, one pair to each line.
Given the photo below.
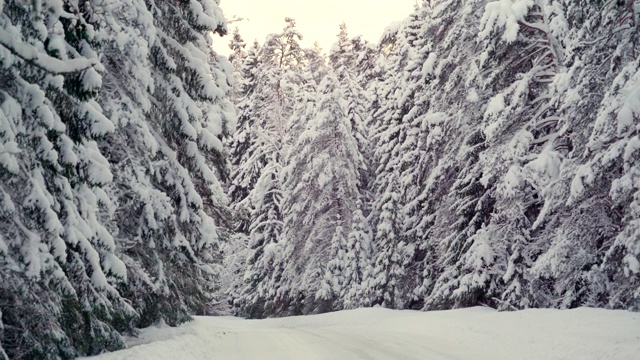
60, 264
176, 220
390, 134
322, 192
265, 231
343, 60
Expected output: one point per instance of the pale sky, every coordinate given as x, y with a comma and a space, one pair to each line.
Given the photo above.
317, 20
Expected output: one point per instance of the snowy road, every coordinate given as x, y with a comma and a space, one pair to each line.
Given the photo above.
324, 344
376, 334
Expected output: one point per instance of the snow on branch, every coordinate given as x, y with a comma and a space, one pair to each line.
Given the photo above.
47, 63
504, 14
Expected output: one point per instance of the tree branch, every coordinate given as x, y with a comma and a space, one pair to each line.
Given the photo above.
47, 63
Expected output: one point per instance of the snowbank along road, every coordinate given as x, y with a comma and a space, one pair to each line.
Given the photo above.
376, 334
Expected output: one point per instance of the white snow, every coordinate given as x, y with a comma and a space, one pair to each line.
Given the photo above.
504, 14
29, 53
376, 333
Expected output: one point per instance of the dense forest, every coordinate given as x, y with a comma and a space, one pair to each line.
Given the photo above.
481, 153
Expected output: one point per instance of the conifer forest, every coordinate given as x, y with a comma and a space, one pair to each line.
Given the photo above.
483, 152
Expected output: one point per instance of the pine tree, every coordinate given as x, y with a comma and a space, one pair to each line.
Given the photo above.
342, 55
169, 201
608, 165
384, 286
60, 265
342, 284
271, 77
246, 163
316, 63
236, 58
332, 281
391, 133
176, 220
366, 55
357, 263
321, 195
265, 102
265, 233
342, 60
237, 46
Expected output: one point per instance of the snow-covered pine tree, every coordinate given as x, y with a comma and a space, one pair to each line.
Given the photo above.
236, 58
365, 56
383, 284
308, 76
170, 202
333, 279
172, 215
450, 83
568, 272
458, 202
316, 62
357, 264
611, 167
523, 146
97, 213
342, 55
267, 91
343, 60
283, 63
467, 208
425, 169
237, 46
390, 134
59, 262
256, 296
322, 193
246, 165
270, 79
304, 110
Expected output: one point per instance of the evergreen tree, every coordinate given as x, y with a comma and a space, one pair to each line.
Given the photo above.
246, 163
265, 233
366, 55
321, 195
60, 265
181, 218
236, 58
358, 267
384, 285
266, 100
316, 63
342, 59
391, 132
608, 162
270, 81
237, 46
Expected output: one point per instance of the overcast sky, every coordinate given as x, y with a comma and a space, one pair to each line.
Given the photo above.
317, 20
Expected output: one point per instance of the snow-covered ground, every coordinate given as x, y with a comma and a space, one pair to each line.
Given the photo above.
476, 333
